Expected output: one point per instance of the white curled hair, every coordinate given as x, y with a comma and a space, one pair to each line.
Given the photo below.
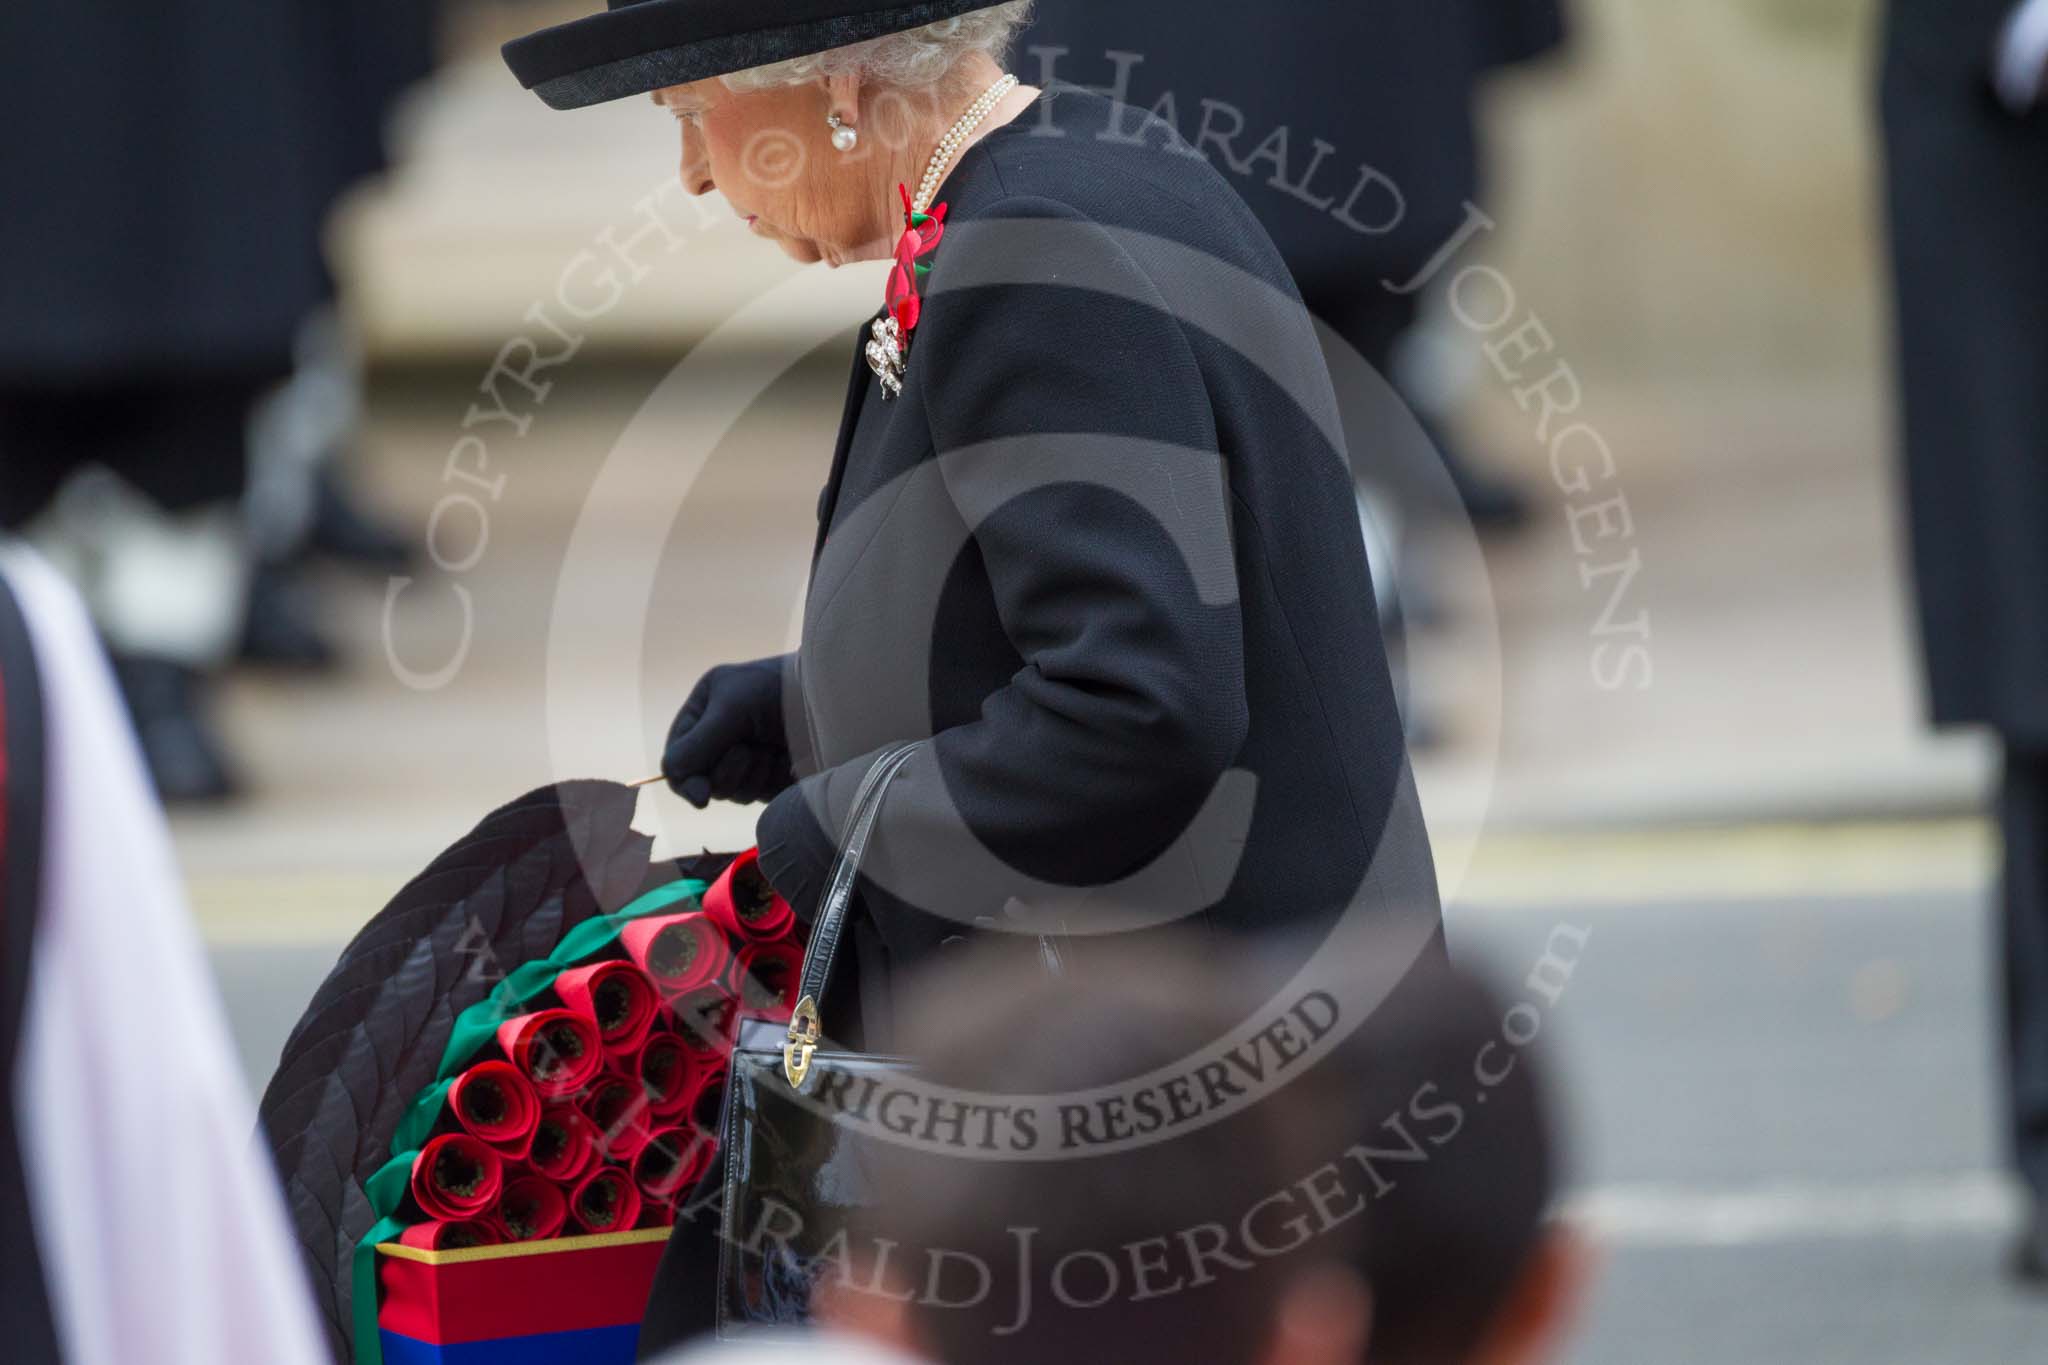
910, 60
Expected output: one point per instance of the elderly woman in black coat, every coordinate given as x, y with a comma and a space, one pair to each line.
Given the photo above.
1088, 541
1088, 535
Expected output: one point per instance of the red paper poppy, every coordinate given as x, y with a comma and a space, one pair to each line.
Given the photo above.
616, 996
667, 1071
558, 1050
476, 1232
682, 953
606, 1200
617, 1108
565, 1144
768, 975
532, 1209
496, 1104
456, 1178
743, 904
706, 1021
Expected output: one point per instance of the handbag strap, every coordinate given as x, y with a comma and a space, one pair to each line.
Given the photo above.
806, 1029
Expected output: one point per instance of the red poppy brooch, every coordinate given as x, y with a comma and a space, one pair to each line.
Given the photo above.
889, 350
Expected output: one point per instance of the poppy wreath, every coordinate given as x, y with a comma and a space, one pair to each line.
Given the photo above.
579, 1099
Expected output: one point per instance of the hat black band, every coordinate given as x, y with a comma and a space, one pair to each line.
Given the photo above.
653, 44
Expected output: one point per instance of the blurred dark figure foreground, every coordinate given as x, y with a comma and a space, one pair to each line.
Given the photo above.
1968, 198
1308, 1179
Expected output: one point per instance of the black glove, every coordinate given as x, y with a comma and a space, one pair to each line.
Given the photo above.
728, 742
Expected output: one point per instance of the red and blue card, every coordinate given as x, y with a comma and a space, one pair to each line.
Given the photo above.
573, 1301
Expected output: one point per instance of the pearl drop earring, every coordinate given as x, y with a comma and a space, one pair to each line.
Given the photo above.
844, 136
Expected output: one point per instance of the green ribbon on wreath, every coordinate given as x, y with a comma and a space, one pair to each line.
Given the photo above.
474, 1027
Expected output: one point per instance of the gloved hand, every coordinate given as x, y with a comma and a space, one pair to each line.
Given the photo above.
728, 742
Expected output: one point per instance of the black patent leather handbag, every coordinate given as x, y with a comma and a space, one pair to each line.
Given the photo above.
794, 1177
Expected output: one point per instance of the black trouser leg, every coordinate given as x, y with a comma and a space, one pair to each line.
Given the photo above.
2023, 814
31, 469
181, 442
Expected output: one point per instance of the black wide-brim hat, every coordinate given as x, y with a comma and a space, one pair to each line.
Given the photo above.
638, 46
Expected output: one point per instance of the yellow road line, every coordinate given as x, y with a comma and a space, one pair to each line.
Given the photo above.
1506, 871
287, 910
1745, 862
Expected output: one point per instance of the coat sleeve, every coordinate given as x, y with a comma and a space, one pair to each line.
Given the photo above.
1076, 440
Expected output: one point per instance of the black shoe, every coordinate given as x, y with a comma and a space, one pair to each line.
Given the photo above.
179, 746
2030, 1256
342, 528
282, 628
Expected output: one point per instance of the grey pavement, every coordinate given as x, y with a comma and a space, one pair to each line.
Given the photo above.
1927, 1301
1785, 1129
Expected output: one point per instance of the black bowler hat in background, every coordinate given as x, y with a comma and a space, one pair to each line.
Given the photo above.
638, 46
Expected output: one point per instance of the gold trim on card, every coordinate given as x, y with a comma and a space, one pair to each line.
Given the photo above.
506, 1251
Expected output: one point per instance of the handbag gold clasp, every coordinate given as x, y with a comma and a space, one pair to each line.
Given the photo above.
805, 1033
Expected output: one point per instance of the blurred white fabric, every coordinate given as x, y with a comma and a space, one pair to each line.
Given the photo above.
159, 584
823, 1349
162, 1233
2023, 56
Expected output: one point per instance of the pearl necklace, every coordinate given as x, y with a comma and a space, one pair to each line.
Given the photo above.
950, 145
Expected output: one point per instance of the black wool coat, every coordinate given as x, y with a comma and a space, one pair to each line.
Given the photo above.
1103, 557
1968, 203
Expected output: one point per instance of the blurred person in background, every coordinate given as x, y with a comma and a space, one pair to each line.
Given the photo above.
1373, 1206
161, 238
1966, 137
1349, 129
162, 234
301, 502
138, 1223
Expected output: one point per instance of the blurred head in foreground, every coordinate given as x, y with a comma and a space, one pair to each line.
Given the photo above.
1437, 1126
1363, 1205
